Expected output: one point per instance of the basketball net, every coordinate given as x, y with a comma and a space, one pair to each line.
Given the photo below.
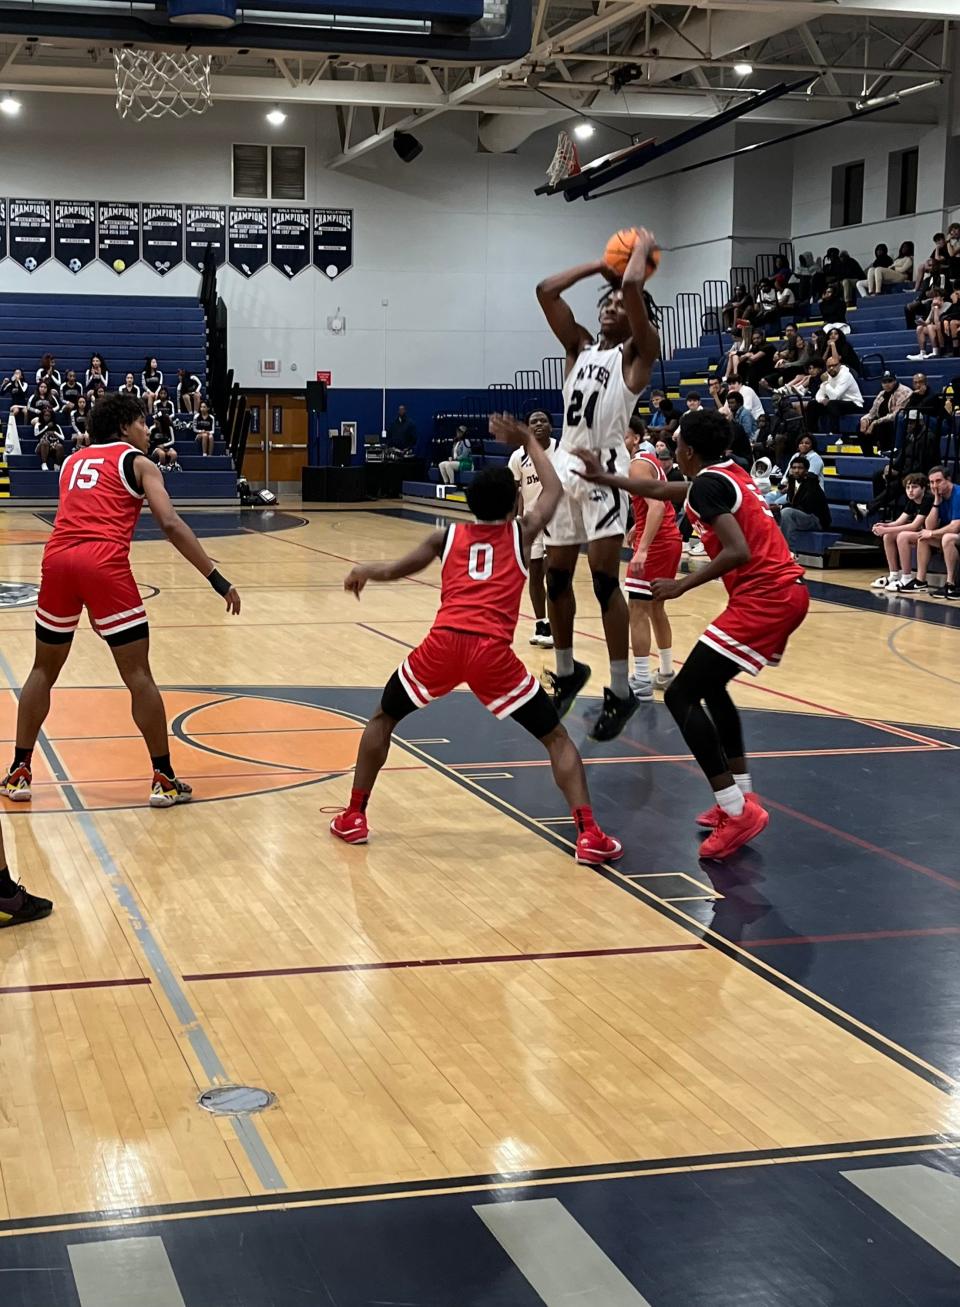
565, 161
153, 83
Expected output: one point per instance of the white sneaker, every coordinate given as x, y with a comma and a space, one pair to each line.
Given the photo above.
893, 586
642, 689
917, 358
838, 445
44, 468
662, 679
697, 549
885, 582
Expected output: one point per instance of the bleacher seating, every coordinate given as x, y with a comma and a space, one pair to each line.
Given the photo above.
124, 329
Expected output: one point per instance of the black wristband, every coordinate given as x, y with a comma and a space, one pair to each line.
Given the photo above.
219, 583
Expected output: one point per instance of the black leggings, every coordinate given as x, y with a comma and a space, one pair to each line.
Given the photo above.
699, 689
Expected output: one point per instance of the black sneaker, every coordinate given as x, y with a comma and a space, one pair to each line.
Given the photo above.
23, 907
858, 511
614, 715
541, 636
946, 591
913, 586
565, 689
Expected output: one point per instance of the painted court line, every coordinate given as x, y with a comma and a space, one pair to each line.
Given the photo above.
557, 1256
924, 1198
466, 767
55, 986
118, 1272
335, 968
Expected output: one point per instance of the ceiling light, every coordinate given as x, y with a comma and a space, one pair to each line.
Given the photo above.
743, 70
276, 117
10, 106
583, 131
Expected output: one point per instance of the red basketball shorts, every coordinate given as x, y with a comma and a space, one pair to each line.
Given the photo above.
486, 664
95, 576
754, 629
663, 559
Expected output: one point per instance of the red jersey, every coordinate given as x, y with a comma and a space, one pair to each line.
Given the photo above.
668, 531
483, 576
98, 498
727, 488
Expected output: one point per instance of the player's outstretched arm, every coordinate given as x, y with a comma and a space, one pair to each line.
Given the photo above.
734, 553
411, 563
674, 492
512, 432
179, 534
643, 349
558, 313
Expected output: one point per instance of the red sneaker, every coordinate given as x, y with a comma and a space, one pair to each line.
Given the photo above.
16, 784
733, 832
593, 847
350, 826
711, 818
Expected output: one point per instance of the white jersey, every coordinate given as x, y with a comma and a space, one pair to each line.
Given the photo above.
597, 403
526, 476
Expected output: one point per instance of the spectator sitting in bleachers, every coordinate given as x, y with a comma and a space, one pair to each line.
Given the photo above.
788, 360
938, 255
667, 461
43, 397
756, 361
763, 310
95, 394
70, 392
460, 460
671, 418
936, 279
878, 424
188, 391
829, 270
129, 387
151, 379
838, 395
162, 449
806, 508
47, 371
78, 423
914, 502
744, 426
833, 307
839, 347
930, 330
898, 271
656, 418
789, 420
205, 428
950, 323
16, 387
786, 299
918, 451
51, 447
736, 306
97, 373
163, 404
718, 393
807, 448
942, 520
751, 400
849, 272
953, 249
692, 401
881, 259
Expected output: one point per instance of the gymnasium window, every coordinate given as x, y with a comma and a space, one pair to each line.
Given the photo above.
269, 172
846, 194
902, 182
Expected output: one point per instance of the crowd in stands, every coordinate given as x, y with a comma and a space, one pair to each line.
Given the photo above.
57, 407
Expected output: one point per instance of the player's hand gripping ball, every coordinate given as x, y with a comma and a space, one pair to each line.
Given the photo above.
619, 247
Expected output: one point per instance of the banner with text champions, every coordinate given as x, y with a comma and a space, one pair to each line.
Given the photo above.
249, 233
206, 224
332, 240
290, 240
30, 234
163, 237
74, 233
118, 234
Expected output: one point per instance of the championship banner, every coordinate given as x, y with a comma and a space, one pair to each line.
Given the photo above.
290, 240
206, 224
163, 237
30, 234
249, 238
3, 229
118, 234
74, 233
332, 241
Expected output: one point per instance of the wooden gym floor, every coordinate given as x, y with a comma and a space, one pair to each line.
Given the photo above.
457, 1010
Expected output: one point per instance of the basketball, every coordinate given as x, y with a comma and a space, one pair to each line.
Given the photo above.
619, 247
119, 265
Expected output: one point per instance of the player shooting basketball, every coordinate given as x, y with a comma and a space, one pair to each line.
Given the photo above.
603, 382
484, 570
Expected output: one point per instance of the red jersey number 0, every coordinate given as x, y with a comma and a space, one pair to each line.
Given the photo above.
480, 562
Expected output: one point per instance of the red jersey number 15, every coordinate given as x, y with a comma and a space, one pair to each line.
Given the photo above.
85, 474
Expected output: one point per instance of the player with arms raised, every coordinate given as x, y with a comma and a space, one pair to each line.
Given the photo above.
86, 564
484, 571
766, 602
603, 381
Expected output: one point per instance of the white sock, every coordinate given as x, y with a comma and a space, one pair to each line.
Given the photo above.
666, 662
742, 778
620, 677
894, 576
564, 662
906, 576
730, 800
641, 669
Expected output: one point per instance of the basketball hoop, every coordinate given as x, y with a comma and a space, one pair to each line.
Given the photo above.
153, 83
565, 161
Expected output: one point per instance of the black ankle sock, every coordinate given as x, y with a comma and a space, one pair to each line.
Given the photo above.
8, 887
22, 756
163, 764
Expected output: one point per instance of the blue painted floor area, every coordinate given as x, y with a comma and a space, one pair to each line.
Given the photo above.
213, 524
861, 1231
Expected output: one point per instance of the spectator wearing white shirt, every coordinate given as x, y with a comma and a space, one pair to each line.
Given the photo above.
807, 448
47, 371
751, 400
838, 395
97, 373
